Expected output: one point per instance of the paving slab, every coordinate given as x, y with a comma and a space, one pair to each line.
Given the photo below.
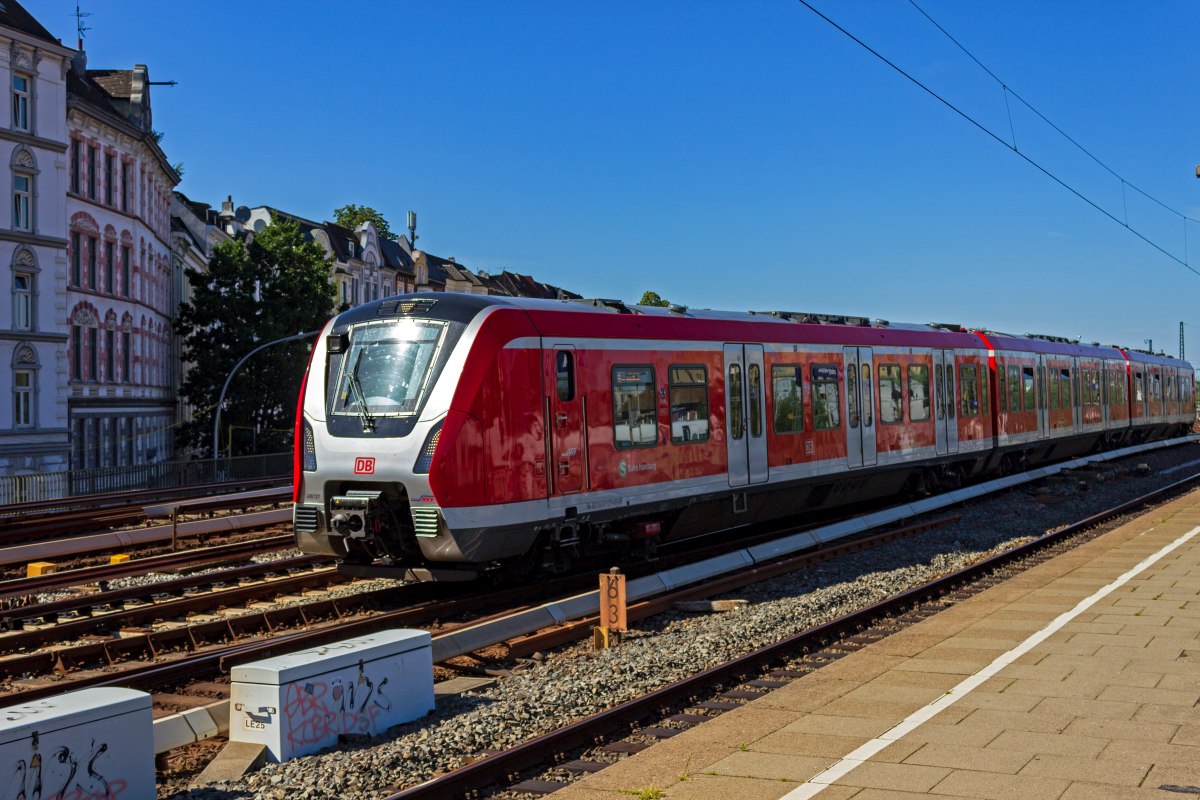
1103, 706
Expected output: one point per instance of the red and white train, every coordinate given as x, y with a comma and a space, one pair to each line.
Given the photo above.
444, 435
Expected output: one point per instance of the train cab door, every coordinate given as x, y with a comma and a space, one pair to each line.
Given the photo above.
860, 407
1042, 390
566, 419
745, 414
944, 402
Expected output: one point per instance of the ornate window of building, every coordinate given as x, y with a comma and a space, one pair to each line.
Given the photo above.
24, 269
109, 267
109, 170
125, 270
22, 202
110, 356
75, 166
22, 398
91, 171
76, 353
93, 347
20, 102
125, 186
93, 246
24, 371
22, 301
126, 355
24, 168
76, 258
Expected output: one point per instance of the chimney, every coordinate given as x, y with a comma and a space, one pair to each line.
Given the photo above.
227, 207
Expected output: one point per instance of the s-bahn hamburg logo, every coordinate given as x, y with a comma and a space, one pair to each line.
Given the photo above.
622, 468
364, 466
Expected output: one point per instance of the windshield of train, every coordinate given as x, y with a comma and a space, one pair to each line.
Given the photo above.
386, 369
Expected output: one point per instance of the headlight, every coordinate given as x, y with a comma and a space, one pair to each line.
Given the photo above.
425, 460
310, 448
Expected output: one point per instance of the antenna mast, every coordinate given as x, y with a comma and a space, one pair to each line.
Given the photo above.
79, 26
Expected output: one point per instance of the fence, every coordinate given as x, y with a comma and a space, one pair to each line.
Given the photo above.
163, 475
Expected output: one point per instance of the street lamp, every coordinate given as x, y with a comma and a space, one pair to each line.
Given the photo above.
228, 378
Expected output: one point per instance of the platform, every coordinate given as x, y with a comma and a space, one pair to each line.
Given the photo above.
1077, 679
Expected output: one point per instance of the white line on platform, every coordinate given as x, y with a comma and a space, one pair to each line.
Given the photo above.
822, 780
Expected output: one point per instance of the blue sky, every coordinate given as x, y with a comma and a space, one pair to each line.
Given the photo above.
740, 155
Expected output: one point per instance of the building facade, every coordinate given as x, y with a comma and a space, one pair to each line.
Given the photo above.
120, 294
33, 262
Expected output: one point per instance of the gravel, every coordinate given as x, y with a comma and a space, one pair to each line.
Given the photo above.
576, 682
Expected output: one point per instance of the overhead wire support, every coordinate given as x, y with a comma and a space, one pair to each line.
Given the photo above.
1000, 140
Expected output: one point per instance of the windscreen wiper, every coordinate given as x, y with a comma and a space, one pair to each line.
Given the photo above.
368, 421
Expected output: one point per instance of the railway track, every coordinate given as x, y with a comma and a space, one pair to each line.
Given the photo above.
23, 590
19, 524
629, 727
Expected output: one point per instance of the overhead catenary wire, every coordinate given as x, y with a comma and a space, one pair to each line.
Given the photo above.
1000, 140
1009, 90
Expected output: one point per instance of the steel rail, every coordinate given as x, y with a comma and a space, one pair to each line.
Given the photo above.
82, 604
133, 496
20, 587
497, 767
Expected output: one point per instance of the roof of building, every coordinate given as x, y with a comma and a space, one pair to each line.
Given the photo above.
13, 15
395, 256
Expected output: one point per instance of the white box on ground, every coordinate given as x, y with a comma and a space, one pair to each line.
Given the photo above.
299, 703
90, 743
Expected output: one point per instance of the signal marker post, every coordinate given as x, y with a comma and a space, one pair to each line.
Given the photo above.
613, 620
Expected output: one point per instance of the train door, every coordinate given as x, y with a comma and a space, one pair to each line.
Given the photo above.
567, 446
745, 414
1077, 396
1043, 407
860, 407
944, 400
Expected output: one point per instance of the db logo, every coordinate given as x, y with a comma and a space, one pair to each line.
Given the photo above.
364, 466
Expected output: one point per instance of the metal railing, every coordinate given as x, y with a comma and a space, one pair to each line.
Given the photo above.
163, 475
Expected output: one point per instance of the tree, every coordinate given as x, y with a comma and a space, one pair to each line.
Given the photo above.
275, 286
652, 299
352, 216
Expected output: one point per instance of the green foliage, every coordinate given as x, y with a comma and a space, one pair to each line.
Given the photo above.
652, 299
178, 167
275, 287
352, 216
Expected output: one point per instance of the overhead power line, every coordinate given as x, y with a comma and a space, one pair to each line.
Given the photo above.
1012, 147
1009, 90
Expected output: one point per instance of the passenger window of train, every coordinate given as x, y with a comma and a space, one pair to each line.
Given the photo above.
1042, 391
1064, 379
891, 394
1054, 402
787, 398
756, 400
635, 415
565, 368
689, 403
985, 391
1014, 388
1029, 389
1139, 390
1001, 390
968, 380
950, 391
827, 405
734, 389
940, 387
867, 406
852, 396
918, 392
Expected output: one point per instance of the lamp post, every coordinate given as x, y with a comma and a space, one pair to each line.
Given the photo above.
232, 372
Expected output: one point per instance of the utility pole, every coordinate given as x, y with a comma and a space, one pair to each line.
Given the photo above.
228, 378
1181, 358
1149, 345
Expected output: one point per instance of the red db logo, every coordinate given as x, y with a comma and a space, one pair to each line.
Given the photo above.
364, 466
